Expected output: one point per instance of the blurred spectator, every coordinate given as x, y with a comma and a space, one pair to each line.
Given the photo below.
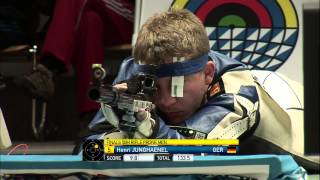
77, 35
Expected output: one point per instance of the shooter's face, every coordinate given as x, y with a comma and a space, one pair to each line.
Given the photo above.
177, 109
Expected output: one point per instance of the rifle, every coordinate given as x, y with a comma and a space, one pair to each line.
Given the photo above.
137, 96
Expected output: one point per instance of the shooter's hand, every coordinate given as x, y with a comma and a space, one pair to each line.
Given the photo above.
122, 87
146, 125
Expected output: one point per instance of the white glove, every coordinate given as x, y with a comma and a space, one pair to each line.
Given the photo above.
146, 125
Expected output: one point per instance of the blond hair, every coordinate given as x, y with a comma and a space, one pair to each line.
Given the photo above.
175, 33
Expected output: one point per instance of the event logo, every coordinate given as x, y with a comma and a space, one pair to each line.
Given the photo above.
259, 33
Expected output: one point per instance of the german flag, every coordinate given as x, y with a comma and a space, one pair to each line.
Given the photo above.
232, 150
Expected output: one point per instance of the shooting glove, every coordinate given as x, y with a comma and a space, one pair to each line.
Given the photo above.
146, 123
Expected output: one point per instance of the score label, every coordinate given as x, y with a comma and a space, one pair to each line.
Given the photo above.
113, 158
163, 157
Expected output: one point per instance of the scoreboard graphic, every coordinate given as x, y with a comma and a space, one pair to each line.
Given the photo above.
149, 150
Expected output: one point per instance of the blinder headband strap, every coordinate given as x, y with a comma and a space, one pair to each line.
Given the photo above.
176, 69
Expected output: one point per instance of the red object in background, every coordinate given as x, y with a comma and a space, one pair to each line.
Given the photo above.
79, 32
